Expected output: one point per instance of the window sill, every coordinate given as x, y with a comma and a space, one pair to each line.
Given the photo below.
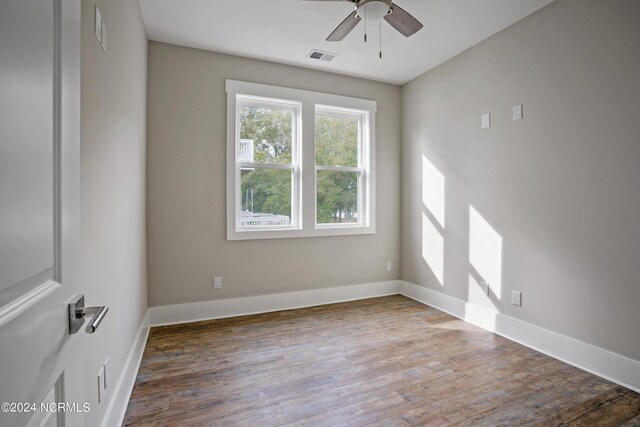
321, 231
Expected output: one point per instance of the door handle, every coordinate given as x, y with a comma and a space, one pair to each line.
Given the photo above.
78, 312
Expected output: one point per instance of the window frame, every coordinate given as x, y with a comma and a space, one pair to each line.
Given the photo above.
307, 102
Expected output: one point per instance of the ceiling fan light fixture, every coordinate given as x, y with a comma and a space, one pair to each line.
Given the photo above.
373, 10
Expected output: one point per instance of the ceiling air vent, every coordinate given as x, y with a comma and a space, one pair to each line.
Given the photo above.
321, 56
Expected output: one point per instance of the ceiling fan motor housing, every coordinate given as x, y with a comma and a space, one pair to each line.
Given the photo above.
373, 10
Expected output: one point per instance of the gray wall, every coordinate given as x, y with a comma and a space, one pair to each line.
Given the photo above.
187, 186
560, 186
113, 188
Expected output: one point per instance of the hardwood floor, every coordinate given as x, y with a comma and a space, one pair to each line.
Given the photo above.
382, 362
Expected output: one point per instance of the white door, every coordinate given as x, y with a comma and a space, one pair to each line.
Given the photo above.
40, 361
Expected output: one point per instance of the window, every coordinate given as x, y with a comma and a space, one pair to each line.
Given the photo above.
267, 161
339, 153
299, 163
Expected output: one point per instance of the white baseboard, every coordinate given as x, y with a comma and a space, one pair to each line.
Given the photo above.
218, 309
606, 364
120, 399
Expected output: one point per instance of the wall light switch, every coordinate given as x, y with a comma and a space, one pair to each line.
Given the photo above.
484, 287
517, 112
485, 120
516, 298
103, 41
97, 29
100, 381
104, 375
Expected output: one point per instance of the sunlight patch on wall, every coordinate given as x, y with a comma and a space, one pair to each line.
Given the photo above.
433, 248
485, 251
433, 190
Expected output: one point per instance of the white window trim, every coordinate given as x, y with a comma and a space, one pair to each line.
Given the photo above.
306, 215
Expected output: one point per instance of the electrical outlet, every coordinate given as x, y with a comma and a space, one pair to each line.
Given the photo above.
389, 266
517, 112
516, 298
484, 286
217, 282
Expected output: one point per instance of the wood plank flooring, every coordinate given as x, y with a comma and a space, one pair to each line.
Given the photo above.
382, 362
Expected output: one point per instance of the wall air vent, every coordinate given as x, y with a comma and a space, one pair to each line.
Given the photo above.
321, 56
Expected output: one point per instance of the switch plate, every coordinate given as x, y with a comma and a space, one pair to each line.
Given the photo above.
97, 29
485, 120
217, 282
104, 375
516, 298
389, 265
484, 287
100, 382
103, 40
517, 112
100, 28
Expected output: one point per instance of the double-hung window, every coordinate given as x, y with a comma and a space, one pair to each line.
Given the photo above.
267, 165
340, 173
299, 163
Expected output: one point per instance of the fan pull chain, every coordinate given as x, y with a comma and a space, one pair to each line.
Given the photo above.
365, 23
380, 38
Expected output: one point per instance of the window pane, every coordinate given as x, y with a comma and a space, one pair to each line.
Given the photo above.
337, 197
265, 135
336, 141
265, 197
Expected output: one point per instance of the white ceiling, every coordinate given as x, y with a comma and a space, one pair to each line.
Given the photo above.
285, 31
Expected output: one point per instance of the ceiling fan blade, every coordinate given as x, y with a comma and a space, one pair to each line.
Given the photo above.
402, 21
344, 28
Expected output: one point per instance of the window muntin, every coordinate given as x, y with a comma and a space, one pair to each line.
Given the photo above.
267, 163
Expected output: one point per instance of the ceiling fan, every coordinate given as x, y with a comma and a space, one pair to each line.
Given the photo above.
374, 10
